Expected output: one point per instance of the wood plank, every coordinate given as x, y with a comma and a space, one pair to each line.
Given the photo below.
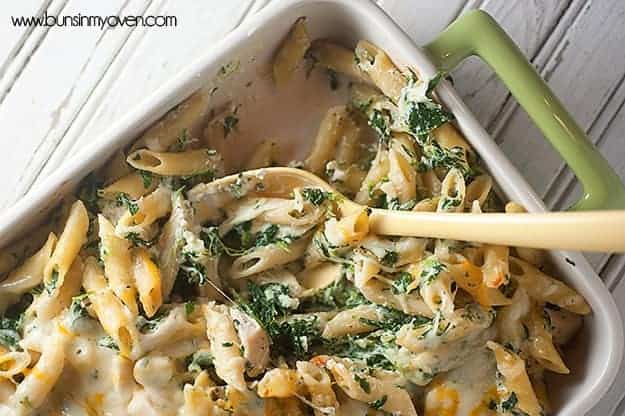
12, 37
50, 91
582, 61
422, 20
583, 73
605, 133
105, 56
17, 56
529, 24
137, 70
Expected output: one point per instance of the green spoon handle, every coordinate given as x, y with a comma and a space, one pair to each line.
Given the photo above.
476, 33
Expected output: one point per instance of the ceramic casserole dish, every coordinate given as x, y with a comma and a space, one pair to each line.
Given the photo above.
244, 55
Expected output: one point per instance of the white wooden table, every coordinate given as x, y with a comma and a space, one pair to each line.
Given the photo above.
60, 87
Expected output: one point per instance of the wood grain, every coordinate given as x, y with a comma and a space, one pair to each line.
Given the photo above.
583, 73
529, 24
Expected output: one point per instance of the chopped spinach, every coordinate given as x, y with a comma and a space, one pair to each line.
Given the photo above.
145, 325
124, 200
424, 117
379, 403
215, 245
200, 360
146, 177
434, 156
380, 121
393, 319
78, 307
369, 349
189, 308
431, 269
230, 122
401, 283
137, 241
182, 142
243, 234
236, 188
191, 270
326, 249
510, 402
390, 258
189, 181
50, 285
268, 302
89, 193
341, 294
295, 337
269, 235
333, 79
395, 205
10, 333
108, 342
448, 203
316, 196
363, 383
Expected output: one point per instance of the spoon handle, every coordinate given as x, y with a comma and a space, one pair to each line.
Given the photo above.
583, 231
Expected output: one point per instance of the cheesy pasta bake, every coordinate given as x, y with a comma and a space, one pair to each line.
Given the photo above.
153, 291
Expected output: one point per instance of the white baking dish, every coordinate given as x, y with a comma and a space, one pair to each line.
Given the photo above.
596, 355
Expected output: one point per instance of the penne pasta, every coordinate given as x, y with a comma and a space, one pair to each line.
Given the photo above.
135, 184
33, 390
165, 132
515, 381
335, 125
27, 276
291, 53
337, 58
189, 163
379, 67
148, 281
265, 155
70, 242
115, 253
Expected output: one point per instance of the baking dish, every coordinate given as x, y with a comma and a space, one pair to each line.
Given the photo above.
243, 57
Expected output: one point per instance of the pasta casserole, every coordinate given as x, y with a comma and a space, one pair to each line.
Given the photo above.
153, 290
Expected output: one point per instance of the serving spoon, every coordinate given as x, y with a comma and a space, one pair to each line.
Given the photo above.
581, 231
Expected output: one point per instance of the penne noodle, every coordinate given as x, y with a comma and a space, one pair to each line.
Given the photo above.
115, 253
337, 58
379, 67
291, 53
148, 281
27, 276
189, 163
333, 126
265, 155
165, 132
135, 184
70, 242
